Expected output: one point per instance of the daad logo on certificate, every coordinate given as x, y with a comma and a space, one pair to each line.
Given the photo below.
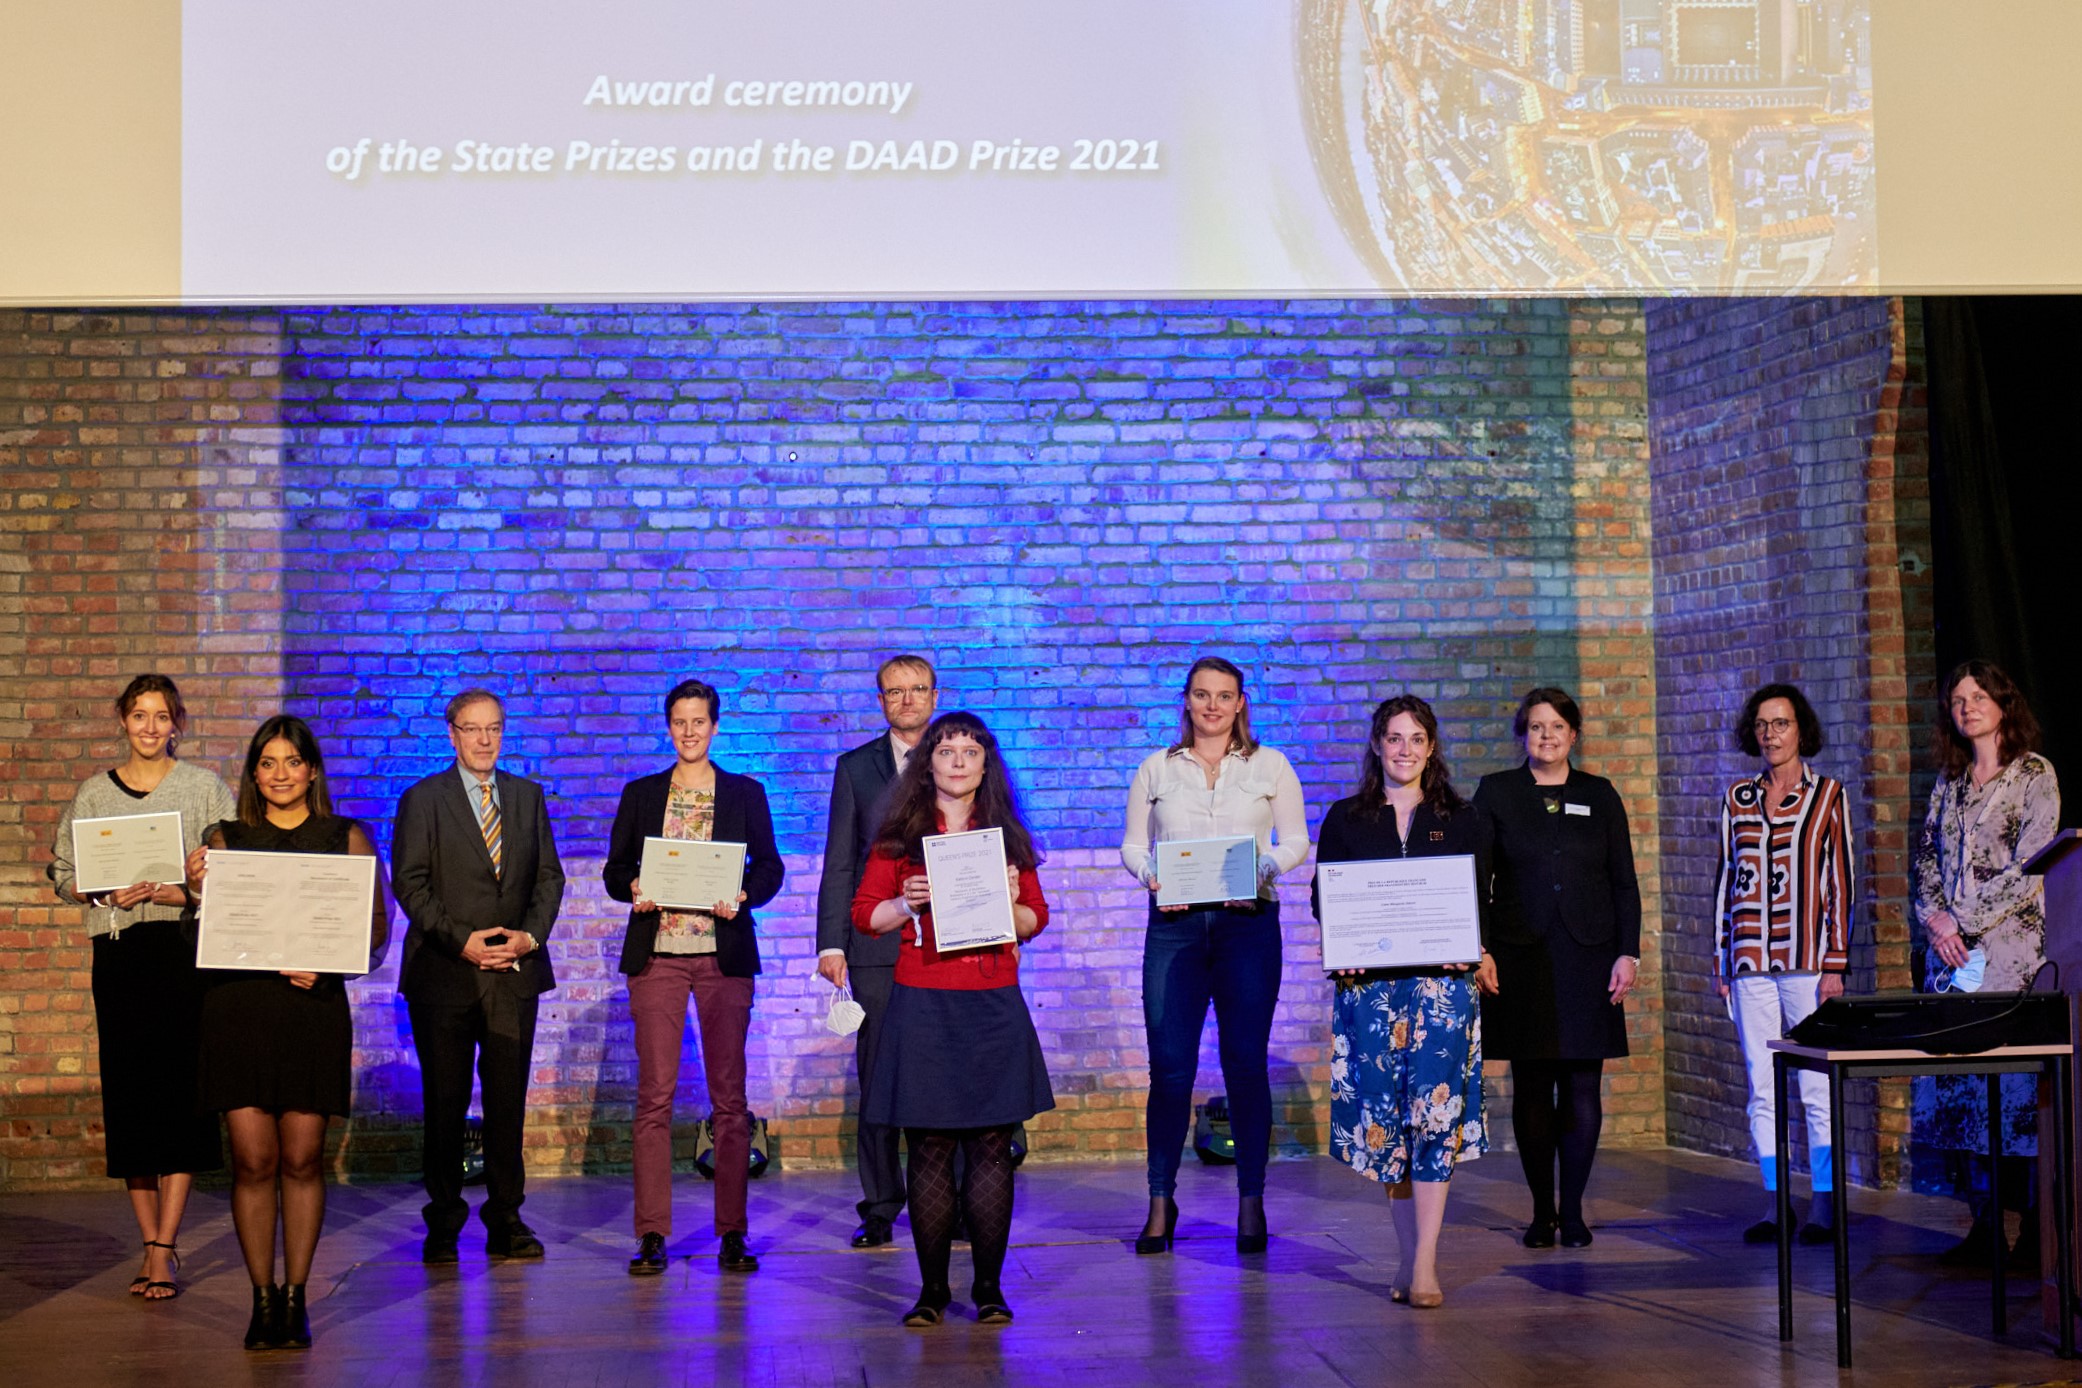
1396, 913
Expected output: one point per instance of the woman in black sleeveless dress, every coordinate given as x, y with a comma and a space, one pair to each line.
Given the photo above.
278, 1047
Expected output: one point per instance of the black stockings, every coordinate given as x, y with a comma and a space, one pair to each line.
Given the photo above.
1556, 1111
267, 1148
937, 1202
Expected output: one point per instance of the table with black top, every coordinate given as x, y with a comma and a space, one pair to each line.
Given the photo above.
2051, 1061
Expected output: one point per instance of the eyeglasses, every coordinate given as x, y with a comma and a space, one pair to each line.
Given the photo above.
1777, 727
908, 691
479, 729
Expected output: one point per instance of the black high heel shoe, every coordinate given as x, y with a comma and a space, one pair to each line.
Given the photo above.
931, 1308
296, 1321
1251, 1236
1146, 1242
264, 1331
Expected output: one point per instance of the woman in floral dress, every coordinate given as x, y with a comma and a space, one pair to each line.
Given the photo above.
1406, 1050
1996, 804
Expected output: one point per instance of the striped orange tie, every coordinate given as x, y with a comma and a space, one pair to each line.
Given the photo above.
488, 818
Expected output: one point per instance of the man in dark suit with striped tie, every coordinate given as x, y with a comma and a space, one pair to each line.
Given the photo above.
475, 869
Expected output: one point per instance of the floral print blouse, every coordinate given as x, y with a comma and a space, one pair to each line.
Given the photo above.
1969, 862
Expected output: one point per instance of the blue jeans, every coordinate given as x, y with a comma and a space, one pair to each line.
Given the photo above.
1231, 957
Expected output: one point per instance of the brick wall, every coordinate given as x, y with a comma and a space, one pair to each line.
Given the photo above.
348, 512
1783, 495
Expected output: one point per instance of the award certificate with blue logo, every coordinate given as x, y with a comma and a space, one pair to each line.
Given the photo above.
1397, 913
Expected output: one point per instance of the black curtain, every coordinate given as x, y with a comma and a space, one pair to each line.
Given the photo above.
2006, 503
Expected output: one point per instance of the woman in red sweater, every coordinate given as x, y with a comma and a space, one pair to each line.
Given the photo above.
959, 1066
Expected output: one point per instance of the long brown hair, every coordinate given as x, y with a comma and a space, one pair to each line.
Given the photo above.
911, 815
1436, 781
1240, 739
2019, 732
297, 733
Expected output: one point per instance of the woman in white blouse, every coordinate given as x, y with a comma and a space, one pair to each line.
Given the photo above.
1215, 781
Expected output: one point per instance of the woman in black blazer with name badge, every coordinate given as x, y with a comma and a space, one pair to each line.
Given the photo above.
1567, 941
711, 955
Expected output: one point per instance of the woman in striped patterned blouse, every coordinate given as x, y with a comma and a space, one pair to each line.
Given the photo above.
1782, 923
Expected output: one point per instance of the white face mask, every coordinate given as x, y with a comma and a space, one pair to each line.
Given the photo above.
1967, 978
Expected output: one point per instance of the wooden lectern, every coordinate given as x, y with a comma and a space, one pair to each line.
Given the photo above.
2060, 863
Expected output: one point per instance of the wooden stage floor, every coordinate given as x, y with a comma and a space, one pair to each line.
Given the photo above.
1667, 1295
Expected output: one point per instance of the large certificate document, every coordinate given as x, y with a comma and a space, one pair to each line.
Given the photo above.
1399, 912
971, 906
110, 854
691, 874
308, 912
1190, 871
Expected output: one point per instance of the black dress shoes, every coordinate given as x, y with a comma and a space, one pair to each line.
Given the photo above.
515, 1240
990, 1304
650, 1257
1763, 1231
734, 1256
931, 1308
1813, 1234
1540, 1233
1574, 1234
438, 1249
873, 1233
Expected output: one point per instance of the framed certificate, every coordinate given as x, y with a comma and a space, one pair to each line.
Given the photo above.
971, 908
1399, 912
1190, 871
691, 874
124, 850
304, 911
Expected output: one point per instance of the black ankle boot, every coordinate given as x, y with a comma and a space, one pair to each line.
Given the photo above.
264, 1331
296, 1321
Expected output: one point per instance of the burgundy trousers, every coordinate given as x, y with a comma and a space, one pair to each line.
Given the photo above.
723, 1010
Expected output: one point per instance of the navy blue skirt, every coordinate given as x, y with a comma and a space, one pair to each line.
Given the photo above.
956, 1058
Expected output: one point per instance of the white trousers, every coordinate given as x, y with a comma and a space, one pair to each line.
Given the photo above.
1766, 1006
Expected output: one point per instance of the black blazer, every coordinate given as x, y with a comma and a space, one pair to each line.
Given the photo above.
442, 876
1572, 869
1350, 837
741, 817
859, 785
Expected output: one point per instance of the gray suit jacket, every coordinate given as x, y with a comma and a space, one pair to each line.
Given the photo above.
442, 875
858, 785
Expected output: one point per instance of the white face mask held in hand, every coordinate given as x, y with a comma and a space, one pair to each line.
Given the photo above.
1968, 976
845, 1015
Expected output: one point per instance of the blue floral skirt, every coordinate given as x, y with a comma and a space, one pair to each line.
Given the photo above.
1406, 1077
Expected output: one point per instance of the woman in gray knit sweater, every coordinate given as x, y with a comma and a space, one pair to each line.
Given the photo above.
147, 995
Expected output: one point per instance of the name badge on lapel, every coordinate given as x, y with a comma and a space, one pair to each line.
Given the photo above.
1583, 810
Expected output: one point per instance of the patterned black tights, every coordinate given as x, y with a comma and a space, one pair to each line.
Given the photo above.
935, 1201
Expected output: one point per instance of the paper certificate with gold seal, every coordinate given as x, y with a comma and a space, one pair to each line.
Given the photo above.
1397, 913
691, 874
124, 850
306, 912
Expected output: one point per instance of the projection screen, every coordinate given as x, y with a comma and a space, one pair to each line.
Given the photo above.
663, 149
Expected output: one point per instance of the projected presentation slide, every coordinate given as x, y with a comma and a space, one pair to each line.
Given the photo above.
662, 149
